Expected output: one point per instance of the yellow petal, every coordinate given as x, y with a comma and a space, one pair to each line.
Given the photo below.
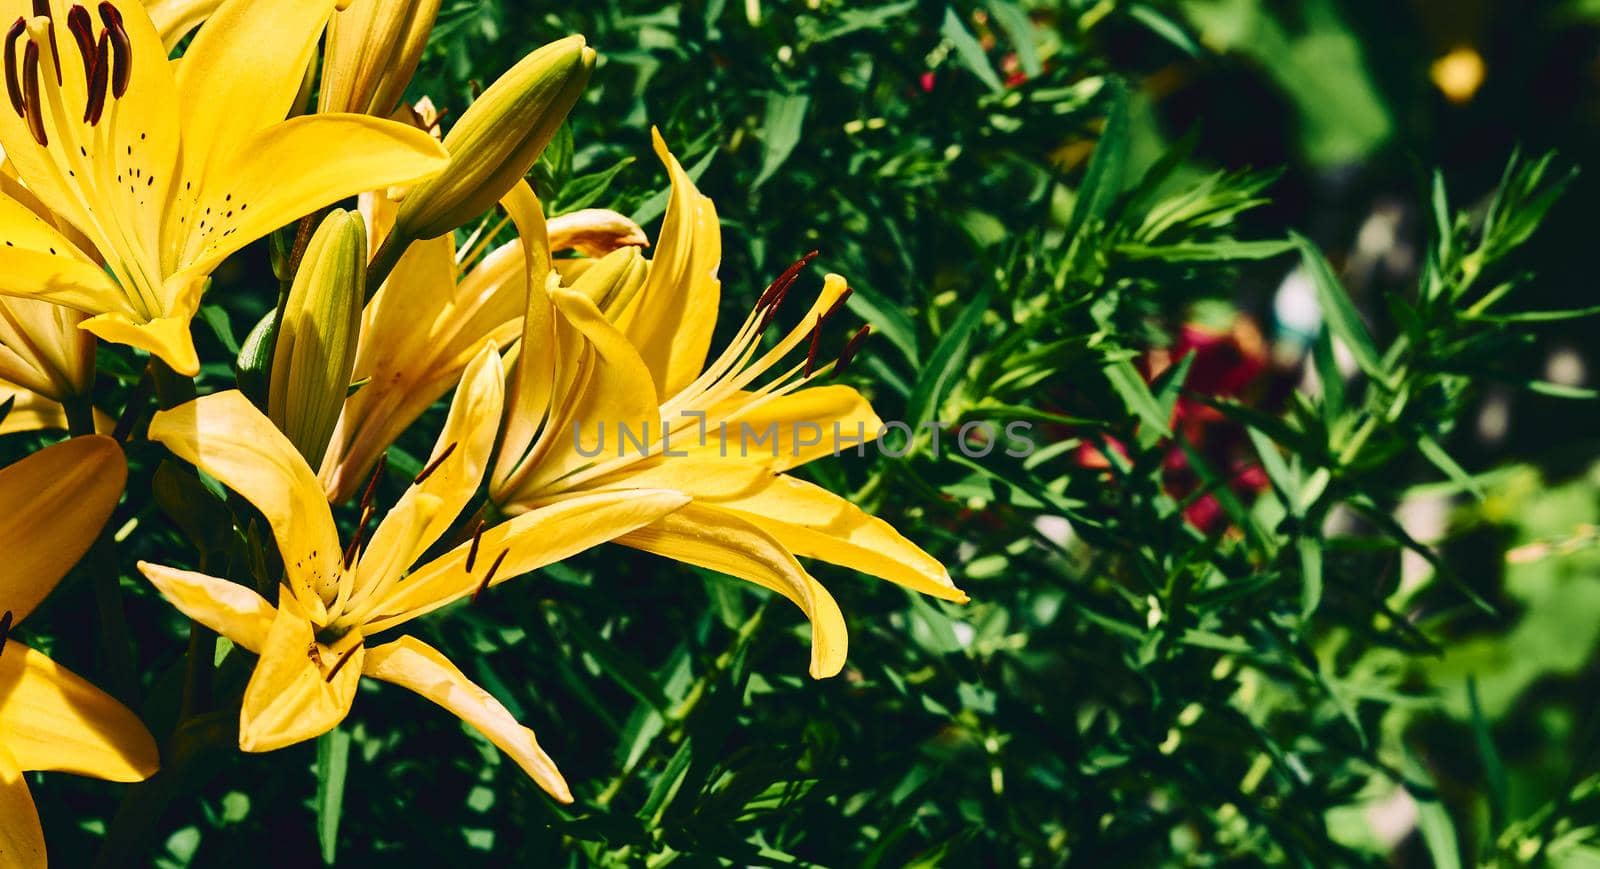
227, 437
241, 74
812, 522
21, 838
454, 471
51, 719
415, 342
167, 338
39, 262
708, 537
30, 411
613, 391
174, 19
595, 232
533, 381
526, 542
291, 698
676, 312
411, 663
789, 430
704, 478
52, 505
293, 168
43, 350
87, 175
222, 605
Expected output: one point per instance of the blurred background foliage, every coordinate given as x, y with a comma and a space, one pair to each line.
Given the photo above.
1306, 568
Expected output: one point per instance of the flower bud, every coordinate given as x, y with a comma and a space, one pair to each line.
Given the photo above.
373, 47
498, 139
613, 280
316, 341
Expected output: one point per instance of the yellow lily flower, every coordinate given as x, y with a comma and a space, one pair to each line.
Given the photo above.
312, 644
52, 504
169, 167
428, 320
626, 345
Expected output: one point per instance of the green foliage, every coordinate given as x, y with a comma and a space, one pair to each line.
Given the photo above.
1131, 684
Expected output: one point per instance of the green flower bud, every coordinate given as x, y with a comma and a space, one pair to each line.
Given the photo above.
613, 280
316, 341
498, 139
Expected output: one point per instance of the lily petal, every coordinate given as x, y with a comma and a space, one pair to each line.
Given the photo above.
676, 312
707, 479
222, 605
411, 663
292, 698
173, 19
812, 522
21, 837
458, 462
291, 169
808, 424
30, 411
52, 504
241, 74
37, 261
167, 338
43, 350
708, 537
225, 435
527, 542
51, 719
531, 393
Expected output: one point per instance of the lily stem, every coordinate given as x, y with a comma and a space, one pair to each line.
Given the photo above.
384, 261
172, 388
105, 574
189, 757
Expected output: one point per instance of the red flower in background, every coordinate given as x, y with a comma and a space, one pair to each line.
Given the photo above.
1227, 363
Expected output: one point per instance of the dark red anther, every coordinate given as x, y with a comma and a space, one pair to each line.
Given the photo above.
5, 630
121, 49
775, 291
816, 331
82, 28
30, 96
837, 304
99, 76
489, 577
851, 347
811, 352
477, 538
434, 465
13, 84
41, 9
339, 664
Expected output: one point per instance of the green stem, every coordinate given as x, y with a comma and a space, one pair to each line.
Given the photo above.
116, 642
80, 414
190, 757
172, 388
383, 262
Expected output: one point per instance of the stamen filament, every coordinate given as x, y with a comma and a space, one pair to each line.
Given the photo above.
489, 577
434, 465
